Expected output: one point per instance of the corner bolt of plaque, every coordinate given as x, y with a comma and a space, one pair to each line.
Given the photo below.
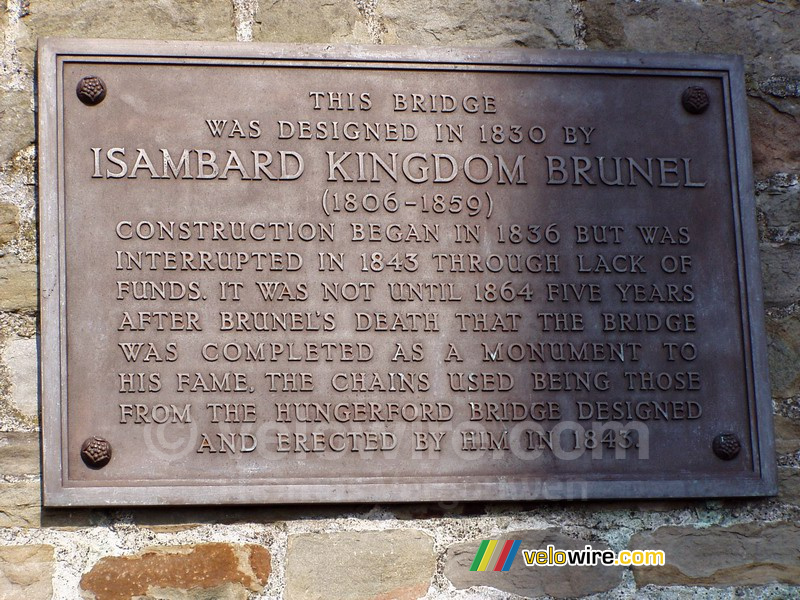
91, 90
726, 446
695, 100
96, 452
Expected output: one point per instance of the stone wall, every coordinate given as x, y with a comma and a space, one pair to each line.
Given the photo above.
715, 549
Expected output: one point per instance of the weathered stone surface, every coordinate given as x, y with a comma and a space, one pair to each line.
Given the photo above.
26, 572
781, 86
745, 554
787, 435
558, 582
309, 21
359, 565
166, 19
765, 33
453, 22
18, 289
5, 16
783, 345
19, 454
20, 358
781, 92
217, 570
773, 136
20, 504
16, 123
789, 485
9, 219
778, 201
780, 274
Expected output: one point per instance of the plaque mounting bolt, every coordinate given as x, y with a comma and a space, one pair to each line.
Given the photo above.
695, 100
726, 446
96, 452
91, 90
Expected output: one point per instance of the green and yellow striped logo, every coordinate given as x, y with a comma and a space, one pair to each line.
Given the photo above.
506, 551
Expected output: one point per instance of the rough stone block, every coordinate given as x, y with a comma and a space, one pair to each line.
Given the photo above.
26, 572
9, 217
556, 581
780, 274
789, 485
20, 504
745, 554
773, 136
787, 435
16, 125
18, 289
508, 23
19, 454
778, 201
309, 21
220, 571
359, 565
765, 33
783, 345
782, 92
166, 19
5, 21
20, 358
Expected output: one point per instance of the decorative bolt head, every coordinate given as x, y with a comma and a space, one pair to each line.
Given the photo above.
91, 90
695, 100
726, 446
96, 452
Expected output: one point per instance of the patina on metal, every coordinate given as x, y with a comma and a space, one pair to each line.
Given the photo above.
396, 275
727, 446
695, 100
96, 453
91, 90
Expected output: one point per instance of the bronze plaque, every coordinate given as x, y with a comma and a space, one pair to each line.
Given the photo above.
278, 274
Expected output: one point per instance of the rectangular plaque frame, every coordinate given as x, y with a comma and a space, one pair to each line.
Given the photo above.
66, 482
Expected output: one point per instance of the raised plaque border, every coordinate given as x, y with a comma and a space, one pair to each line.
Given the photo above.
57, 491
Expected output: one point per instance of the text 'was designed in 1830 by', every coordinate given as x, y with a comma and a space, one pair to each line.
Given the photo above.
364, 279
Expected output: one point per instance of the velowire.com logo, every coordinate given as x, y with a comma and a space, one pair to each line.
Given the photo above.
502, 553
